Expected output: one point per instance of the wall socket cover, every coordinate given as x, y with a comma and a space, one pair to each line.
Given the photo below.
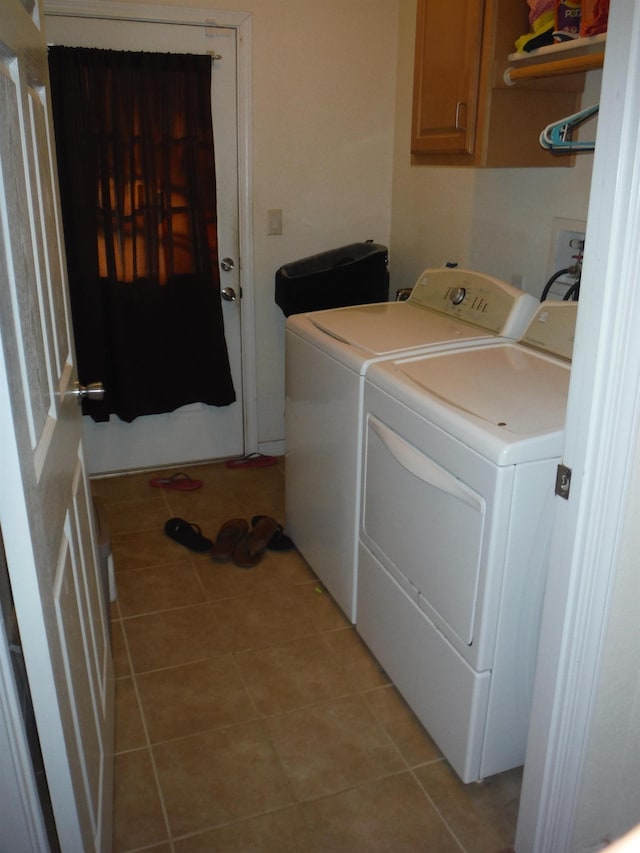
561, 253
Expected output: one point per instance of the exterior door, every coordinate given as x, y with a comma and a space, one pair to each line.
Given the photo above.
196, 432
45, 502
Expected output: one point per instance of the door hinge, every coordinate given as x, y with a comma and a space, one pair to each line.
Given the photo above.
563, 481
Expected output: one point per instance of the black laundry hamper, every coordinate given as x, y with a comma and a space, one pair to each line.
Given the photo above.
356, 274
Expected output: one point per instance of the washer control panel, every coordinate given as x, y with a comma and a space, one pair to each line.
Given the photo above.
475, 298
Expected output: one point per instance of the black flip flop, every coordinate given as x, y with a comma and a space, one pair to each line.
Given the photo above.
187, 534
279, 541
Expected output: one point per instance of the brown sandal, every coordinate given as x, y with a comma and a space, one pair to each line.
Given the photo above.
230, 534
250, 550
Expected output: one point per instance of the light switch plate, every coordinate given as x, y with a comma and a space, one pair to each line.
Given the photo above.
274, 222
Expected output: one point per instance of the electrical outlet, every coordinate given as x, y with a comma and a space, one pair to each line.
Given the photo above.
567, 244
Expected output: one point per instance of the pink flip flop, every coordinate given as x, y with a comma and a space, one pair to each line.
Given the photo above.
253, 460
179, 482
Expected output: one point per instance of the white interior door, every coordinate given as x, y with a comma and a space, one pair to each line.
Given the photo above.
195, 432
45, 503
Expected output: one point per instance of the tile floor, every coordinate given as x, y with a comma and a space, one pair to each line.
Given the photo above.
249, 715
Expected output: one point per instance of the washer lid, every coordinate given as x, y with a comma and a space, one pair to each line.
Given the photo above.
393, 327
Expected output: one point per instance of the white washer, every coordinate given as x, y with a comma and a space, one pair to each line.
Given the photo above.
327, 356
460, 455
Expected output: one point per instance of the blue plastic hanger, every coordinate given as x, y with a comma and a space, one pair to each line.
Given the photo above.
557, 136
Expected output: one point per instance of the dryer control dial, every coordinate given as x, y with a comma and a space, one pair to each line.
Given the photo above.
457, 295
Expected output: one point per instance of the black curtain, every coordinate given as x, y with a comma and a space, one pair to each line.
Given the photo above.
134, 141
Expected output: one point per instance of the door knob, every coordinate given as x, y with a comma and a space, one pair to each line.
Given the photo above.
94, 391
227, 264
228, 294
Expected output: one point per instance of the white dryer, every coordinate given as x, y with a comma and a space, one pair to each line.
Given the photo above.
460, 455
327, 356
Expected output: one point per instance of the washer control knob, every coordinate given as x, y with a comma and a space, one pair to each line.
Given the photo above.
457, 295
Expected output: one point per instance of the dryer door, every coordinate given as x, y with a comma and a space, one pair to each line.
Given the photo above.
427, 525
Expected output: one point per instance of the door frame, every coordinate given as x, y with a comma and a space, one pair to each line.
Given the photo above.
241, 22
603, 425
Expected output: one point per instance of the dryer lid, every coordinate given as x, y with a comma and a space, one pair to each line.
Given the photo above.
508, 389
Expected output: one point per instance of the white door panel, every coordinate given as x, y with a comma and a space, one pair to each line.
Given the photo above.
45, 503
195, 432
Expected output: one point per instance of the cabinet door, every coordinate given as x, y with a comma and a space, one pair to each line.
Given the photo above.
446, 76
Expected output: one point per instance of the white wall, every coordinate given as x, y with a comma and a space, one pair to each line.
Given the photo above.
324, 89
495, 220
323, 102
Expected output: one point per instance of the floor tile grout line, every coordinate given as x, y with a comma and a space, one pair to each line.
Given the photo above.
311, 632
148, 743
384, 729
260, 716
147, 847
244, 684
393, 774
298, 804
286, 776
199, 579
234, 822
407, 765
438, 811
207, 599
152, 567
224, 653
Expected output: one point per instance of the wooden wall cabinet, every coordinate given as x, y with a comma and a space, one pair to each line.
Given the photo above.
464, 113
